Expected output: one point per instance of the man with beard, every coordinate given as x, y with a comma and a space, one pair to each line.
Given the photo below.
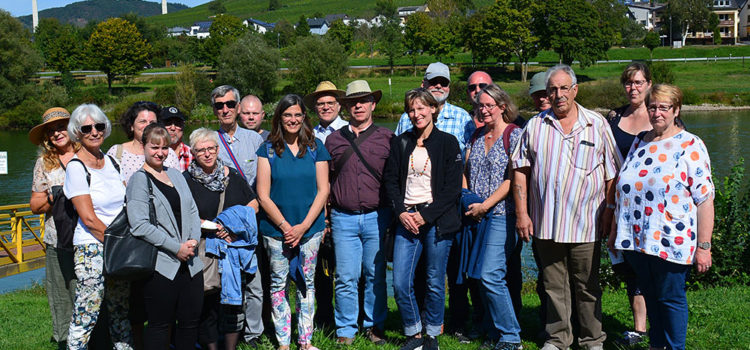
451, 119
174, 122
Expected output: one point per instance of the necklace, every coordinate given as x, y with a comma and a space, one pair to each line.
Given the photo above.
424, 169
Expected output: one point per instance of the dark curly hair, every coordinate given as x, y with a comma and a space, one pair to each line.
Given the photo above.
128, 118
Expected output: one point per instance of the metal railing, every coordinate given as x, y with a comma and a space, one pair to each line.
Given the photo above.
21, 239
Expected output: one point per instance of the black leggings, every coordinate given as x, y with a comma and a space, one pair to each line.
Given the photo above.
168, 301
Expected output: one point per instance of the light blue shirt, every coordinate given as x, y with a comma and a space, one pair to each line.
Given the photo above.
322, 133
244, 143
452, 119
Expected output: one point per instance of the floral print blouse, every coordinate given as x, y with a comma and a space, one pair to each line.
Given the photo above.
658, 191
43, 182
488, 171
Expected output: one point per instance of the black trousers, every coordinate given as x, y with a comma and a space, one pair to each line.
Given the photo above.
167, 301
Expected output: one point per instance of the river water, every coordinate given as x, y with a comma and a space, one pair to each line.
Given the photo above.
726, 134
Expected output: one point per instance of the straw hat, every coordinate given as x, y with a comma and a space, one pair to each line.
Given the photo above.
358, 89
325, 87
37, 134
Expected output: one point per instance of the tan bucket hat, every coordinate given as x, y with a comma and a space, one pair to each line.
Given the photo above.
325, 87
358, 89
37, 133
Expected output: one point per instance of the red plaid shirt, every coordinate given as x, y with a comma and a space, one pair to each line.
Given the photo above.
184, 155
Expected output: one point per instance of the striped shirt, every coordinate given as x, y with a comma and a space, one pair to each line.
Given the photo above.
451, 119
568, 174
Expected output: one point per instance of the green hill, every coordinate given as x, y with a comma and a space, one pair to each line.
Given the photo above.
290, 10
81, 12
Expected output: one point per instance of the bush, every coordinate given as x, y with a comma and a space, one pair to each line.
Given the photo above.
165, 95
690, 97
607, 94
661, 72
98, 95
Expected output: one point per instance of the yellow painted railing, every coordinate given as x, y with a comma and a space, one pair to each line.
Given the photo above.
21, 239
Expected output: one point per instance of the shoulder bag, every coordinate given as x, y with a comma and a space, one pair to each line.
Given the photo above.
211, 276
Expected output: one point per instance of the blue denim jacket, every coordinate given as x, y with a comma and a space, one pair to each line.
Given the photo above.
237, 256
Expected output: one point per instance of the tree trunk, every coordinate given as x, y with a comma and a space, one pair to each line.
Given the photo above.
110, 77
524, 70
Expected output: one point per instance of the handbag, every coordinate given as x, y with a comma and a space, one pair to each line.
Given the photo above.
211, 276
128, 257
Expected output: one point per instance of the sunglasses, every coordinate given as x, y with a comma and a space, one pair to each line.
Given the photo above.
86, 129
220, 105
473, 87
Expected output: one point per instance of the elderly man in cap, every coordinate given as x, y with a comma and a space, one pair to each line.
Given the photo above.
252, 114
237, 145
323, 102
564, 168
174, 122
538, 92
359, 215
451, 119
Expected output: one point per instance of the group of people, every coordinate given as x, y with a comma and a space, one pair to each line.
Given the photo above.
241, 212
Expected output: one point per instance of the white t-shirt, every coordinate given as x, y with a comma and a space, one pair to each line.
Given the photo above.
418, 189
107, 194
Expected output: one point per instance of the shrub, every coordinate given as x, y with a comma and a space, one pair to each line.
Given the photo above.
606, 94
165, 95
690, 97
661, 72
98, 95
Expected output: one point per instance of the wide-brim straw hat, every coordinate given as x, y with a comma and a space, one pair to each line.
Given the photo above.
38, 133
358, 89
324, 88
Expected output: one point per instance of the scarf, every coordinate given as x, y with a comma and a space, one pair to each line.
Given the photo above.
215, 181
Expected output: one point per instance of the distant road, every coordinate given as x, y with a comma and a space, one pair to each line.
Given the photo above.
98, 74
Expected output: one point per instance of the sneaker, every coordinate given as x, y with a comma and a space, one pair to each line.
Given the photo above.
344, 341
461, 337
430, 343
631, 338
412, 343
375, 335
501, 345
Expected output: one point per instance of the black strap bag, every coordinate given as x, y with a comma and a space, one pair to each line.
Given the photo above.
127, 257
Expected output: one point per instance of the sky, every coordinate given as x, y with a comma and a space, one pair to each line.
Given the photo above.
23, 7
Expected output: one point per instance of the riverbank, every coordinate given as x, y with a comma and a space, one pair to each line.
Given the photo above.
718, 320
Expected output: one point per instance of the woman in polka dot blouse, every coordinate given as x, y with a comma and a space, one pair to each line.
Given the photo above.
665, 214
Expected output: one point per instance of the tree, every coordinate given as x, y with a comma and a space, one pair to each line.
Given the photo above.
58, 43
302, 28
117, 48
216, 7
274, 5
366, 34
185, 91
306, 70
341, 33
150, 31
416, 35
224, 30
687, 16
250, 65
444, 36
385, 8
572, 29
282, 35
717, 36
18, 61
651, 41
391, 41
507, 29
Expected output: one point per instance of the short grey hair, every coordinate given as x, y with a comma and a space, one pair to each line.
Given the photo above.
560, 67
221, 91
203, 134
79, 116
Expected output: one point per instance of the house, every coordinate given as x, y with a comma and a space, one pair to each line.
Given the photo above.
729, 22
744, 26
645, 13
339, 16
406, 11
200, 29
258, 25
178, 31
318, 25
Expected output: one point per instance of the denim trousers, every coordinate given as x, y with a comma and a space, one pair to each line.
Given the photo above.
358, 244
500, 242
407, 249
663, 286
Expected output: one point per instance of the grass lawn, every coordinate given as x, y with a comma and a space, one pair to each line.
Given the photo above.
719, 318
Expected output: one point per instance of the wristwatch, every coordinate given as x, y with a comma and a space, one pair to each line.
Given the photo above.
704, 245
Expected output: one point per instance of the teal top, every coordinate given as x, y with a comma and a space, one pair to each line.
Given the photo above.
293, 187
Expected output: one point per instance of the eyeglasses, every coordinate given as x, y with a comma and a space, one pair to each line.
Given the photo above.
634, 83
488, 107
439, 81
290, 116
220, 105
562, 90
210, 149
330, 104
174, 121
86, 129
660, 108
473, 87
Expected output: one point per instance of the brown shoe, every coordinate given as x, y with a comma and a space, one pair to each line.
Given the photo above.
375, 335
345, 341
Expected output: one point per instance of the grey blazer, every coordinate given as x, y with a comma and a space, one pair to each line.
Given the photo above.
165, 236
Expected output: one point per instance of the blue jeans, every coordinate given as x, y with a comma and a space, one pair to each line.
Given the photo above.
357, 240
407, 249
500, 242
663, 286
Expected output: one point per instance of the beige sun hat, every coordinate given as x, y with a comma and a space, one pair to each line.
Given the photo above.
358, 89
37, 133
325, 87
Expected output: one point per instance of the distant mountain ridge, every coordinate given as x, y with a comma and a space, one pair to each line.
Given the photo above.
80, 13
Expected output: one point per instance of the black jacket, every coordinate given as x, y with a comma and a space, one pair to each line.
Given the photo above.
447, 166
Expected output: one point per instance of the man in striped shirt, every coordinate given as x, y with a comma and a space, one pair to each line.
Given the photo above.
565, 165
